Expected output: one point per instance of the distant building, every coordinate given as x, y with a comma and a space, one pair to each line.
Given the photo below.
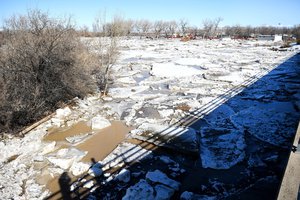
265, 37
275, 38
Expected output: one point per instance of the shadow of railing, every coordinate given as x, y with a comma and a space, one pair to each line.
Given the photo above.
282, 82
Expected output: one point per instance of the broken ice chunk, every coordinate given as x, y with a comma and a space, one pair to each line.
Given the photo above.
160, 177
63, 112
64, 158
222, 150
123, 175
99, 122
141, 190
96, 170
79, 168
163, 192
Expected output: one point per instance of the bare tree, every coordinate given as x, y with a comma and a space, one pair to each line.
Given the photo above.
216, 24
183, 23
99, 25
128, 27
208, 26
107, 48
194, 31
165, 28
146, 26
172, 27
138, 27
266, 30
117, 27
234, 31
84, 31
158, 28
41, 64
296, 32
143, 27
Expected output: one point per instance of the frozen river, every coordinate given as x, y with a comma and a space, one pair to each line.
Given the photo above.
208, 120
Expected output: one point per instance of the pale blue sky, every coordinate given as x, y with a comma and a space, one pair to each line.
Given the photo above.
252, 12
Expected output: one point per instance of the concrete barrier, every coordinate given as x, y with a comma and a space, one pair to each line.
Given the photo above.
289, 188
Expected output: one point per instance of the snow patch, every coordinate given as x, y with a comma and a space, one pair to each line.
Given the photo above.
166, 113
191, 61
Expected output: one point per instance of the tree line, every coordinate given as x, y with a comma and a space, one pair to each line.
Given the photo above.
210, 28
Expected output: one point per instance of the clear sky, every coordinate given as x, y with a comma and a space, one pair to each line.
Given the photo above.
233, 12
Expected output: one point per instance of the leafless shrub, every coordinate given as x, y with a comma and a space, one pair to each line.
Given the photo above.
107, 48
42, 63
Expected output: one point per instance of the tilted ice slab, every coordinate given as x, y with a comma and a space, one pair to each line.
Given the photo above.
64, 158
270, 125
183, 138
156, 186
99, 122
222, 143
141, 190
173, 70
221, 148
159, 177
219, 117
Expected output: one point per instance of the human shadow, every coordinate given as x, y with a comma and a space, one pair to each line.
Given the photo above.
244, 137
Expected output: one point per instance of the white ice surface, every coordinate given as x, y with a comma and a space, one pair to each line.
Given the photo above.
173, 70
